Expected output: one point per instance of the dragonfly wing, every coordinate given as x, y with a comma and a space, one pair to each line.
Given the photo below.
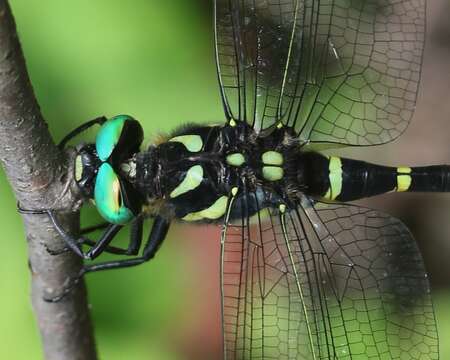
325, 282
337, 71
255, 41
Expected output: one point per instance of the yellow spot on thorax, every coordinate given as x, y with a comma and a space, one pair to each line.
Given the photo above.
193, 179
215, 211
193, 143
272, 158
236, 159
272, 173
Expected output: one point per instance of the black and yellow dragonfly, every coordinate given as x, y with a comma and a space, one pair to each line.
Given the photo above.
304, 275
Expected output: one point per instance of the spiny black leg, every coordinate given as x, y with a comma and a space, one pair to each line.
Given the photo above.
72, 243
132, 249
155, 239
100, 120
135, 236
102, 243
135, 239
75, 244
86, 241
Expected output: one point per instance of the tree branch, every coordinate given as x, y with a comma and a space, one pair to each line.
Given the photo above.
41, 178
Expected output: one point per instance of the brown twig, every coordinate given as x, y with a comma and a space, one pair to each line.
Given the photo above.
40, 177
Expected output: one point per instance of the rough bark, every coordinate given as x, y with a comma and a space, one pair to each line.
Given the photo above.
40, 176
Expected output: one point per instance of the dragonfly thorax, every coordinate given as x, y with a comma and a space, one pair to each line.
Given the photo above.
195, 169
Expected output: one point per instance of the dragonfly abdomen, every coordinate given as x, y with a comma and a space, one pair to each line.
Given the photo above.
340, 179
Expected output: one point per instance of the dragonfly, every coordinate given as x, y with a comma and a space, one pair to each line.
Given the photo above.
304, 273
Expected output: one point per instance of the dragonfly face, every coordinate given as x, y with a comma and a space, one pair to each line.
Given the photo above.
97, 169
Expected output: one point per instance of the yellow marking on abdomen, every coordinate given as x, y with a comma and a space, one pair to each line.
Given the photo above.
404, 178
213, 212
335, 178
193, 179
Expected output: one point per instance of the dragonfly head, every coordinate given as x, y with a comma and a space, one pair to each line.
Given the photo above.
99, 169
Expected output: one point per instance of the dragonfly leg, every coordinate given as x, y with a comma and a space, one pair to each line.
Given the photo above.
86, 241
75, 243
133, 247
82, 240
102, 244
100, 120
155, 239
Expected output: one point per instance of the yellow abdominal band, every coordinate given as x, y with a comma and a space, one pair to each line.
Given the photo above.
335, 178
404, 178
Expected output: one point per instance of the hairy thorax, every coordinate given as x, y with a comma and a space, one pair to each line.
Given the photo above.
192, 173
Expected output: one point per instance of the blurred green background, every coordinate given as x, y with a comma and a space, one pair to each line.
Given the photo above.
154, 60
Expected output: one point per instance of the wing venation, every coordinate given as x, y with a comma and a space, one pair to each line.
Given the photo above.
337, 71
325, 282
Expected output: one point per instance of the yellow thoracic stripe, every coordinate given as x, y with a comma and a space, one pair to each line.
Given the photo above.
193, 179
335, 178
213, 212
404, 178
193, 143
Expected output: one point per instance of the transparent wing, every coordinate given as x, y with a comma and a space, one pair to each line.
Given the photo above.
339, 282
341, 71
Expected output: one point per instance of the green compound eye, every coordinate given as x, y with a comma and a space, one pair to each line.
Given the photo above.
122, 132
109, 135
108, 197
